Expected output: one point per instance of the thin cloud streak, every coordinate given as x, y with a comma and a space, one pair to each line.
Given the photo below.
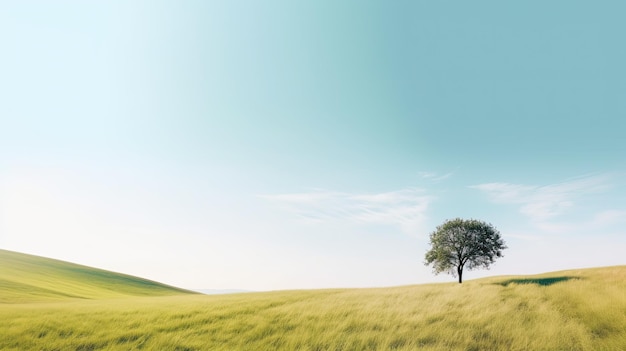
542, 205
610, 217
405, 208
435, 177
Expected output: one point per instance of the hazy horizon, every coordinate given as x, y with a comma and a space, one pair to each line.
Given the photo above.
275, 145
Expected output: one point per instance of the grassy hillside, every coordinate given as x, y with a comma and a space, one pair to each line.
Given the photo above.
27, 278
569, 310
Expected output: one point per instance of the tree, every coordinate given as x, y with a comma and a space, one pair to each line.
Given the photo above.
459, 244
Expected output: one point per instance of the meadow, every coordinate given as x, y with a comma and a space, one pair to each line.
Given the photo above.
568, 310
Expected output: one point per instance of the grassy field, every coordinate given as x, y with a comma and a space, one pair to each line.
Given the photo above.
27, 278
569, 310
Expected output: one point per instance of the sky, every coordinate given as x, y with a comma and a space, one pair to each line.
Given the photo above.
293, 145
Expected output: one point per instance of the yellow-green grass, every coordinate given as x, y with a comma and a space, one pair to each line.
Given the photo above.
27, 278
569, 310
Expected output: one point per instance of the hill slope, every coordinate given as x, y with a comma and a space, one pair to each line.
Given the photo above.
27, 278
568, 310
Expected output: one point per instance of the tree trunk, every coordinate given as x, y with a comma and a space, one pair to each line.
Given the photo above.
459, 271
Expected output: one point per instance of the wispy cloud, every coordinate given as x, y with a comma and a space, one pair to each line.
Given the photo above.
540, 203
601, 220
609, 217
405, 208
544, 204
435, 177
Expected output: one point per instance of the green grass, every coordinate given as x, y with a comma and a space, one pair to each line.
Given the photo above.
569, 310
27, 278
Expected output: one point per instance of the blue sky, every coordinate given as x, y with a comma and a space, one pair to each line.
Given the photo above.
280, 145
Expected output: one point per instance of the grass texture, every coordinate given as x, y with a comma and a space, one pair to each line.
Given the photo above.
569, 310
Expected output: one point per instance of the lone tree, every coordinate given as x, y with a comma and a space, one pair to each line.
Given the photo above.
459, 243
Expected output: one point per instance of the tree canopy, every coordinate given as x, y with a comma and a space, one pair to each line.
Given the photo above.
458, 243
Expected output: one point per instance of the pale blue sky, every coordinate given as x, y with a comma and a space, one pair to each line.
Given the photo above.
277, 145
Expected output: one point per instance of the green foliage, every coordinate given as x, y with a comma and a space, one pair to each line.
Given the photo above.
27, 278
572, 310
459, 244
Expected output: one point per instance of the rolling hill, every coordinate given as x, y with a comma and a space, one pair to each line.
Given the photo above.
28, 278
581, 309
